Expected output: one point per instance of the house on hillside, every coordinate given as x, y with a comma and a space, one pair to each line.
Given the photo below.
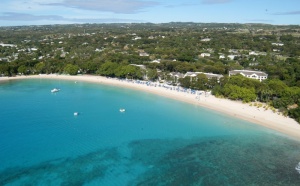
253, 53
235, 51
232, 57
144, 54
222, 56
4, 59
156, 61
205, 55
7, 45
277, 44
253, 64
206, 39
250, 74
137, 38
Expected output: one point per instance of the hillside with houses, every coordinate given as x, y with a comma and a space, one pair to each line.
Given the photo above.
247, 62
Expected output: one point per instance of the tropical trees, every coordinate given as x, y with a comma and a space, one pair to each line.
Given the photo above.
152, 74
107, 69
239, 93
71, 69
185, 82
40, 67
201, 82
4, 69
129, 72
111, 69
23, 70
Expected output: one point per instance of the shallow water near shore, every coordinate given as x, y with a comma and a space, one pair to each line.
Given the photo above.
156, 141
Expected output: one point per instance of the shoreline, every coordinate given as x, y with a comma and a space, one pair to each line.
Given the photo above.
260, 116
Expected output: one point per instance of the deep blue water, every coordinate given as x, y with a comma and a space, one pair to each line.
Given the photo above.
157, 141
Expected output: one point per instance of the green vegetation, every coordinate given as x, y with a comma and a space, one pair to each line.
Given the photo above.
153, 51
71, 69
273, 92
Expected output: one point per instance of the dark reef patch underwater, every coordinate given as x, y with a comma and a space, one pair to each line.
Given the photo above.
226, 160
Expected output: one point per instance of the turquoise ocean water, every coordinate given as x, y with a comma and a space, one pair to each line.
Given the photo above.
157, 141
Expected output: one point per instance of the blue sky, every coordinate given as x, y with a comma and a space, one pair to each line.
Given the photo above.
44, 12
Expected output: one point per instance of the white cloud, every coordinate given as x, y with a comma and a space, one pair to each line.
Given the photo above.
116, 6
215, 1
28, 5
287, 13
72, 11
10, 16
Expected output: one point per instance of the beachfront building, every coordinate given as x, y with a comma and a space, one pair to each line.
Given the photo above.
175, 76
259, 75
208, 75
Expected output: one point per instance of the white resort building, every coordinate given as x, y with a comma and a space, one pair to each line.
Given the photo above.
250, 74
177, 75
208, 75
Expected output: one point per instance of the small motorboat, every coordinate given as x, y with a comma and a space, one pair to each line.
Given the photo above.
298, 167
55, 90
76, 113
122, 110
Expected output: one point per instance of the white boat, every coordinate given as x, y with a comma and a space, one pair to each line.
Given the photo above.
122, 110
76, 113
55, 90
298, 167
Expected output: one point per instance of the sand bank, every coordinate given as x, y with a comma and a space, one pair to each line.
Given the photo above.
237, 109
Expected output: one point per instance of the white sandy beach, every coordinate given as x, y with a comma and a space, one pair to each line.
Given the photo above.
237, 109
